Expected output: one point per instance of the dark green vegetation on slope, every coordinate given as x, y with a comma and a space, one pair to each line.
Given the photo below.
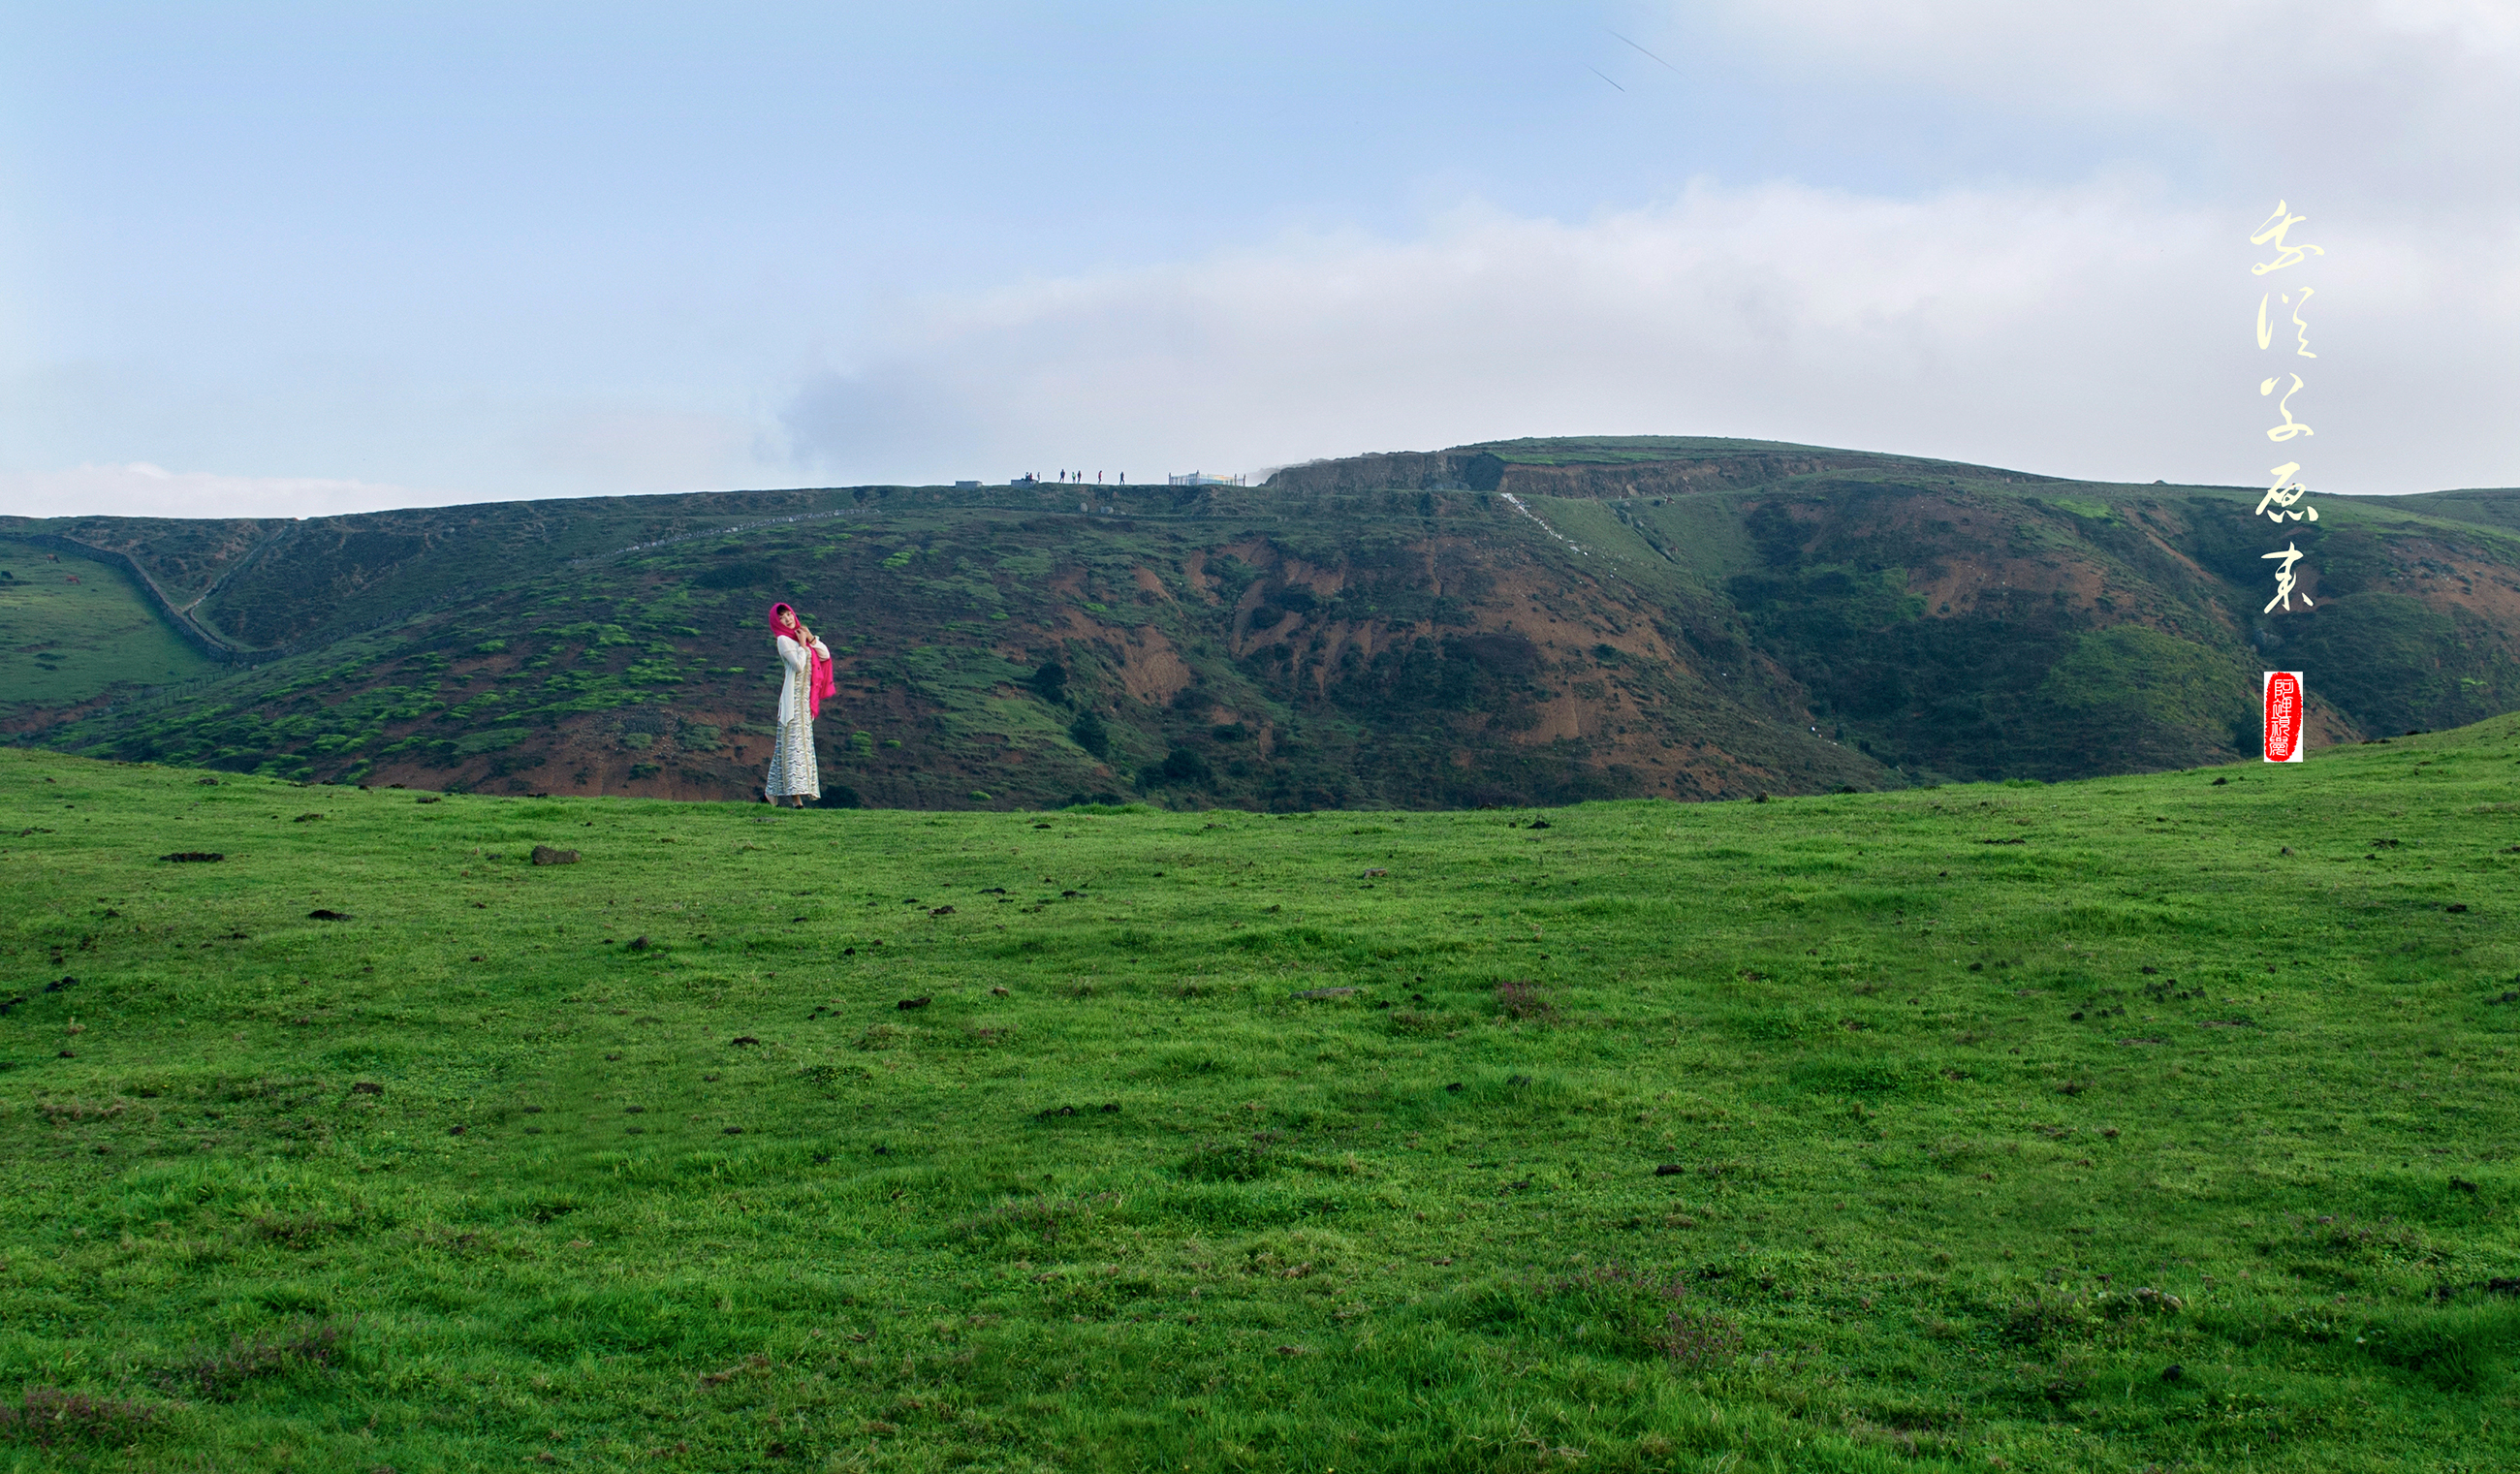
1866, 1132
1524, 622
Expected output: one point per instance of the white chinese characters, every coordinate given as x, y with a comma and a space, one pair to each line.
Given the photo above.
2282, 502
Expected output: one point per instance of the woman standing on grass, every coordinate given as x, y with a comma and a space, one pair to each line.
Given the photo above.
792, 775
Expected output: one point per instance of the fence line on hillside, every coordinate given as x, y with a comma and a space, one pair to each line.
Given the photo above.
1515, 502
206, 642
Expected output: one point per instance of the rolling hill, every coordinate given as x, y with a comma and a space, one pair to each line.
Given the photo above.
1530, 621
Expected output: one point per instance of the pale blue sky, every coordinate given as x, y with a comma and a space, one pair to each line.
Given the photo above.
457, 252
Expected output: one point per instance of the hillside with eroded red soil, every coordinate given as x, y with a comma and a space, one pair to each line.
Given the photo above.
1519, 622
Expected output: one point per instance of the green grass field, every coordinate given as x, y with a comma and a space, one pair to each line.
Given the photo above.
64, 642
2158, 1122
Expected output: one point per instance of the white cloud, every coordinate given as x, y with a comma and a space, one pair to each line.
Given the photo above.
2140, 53
140, 489
2363, 103
2049, 315
2097, 330
2095, 327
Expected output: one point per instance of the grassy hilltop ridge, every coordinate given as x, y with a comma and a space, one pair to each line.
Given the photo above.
1520, 622
2147, 1122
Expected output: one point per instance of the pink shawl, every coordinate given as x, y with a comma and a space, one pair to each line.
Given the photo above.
821, 685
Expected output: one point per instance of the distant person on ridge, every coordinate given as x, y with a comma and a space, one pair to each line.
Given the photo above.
793, 773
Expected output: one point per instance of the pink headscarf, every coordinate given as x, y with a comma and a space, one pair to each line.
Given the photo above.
821, 685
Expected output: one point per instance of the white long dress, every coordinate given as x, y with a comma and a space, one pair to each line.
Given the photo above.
791, 757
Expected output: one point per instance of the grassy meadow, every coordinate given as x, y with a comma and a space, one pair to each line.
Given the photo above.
2142, 1123
63, 642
